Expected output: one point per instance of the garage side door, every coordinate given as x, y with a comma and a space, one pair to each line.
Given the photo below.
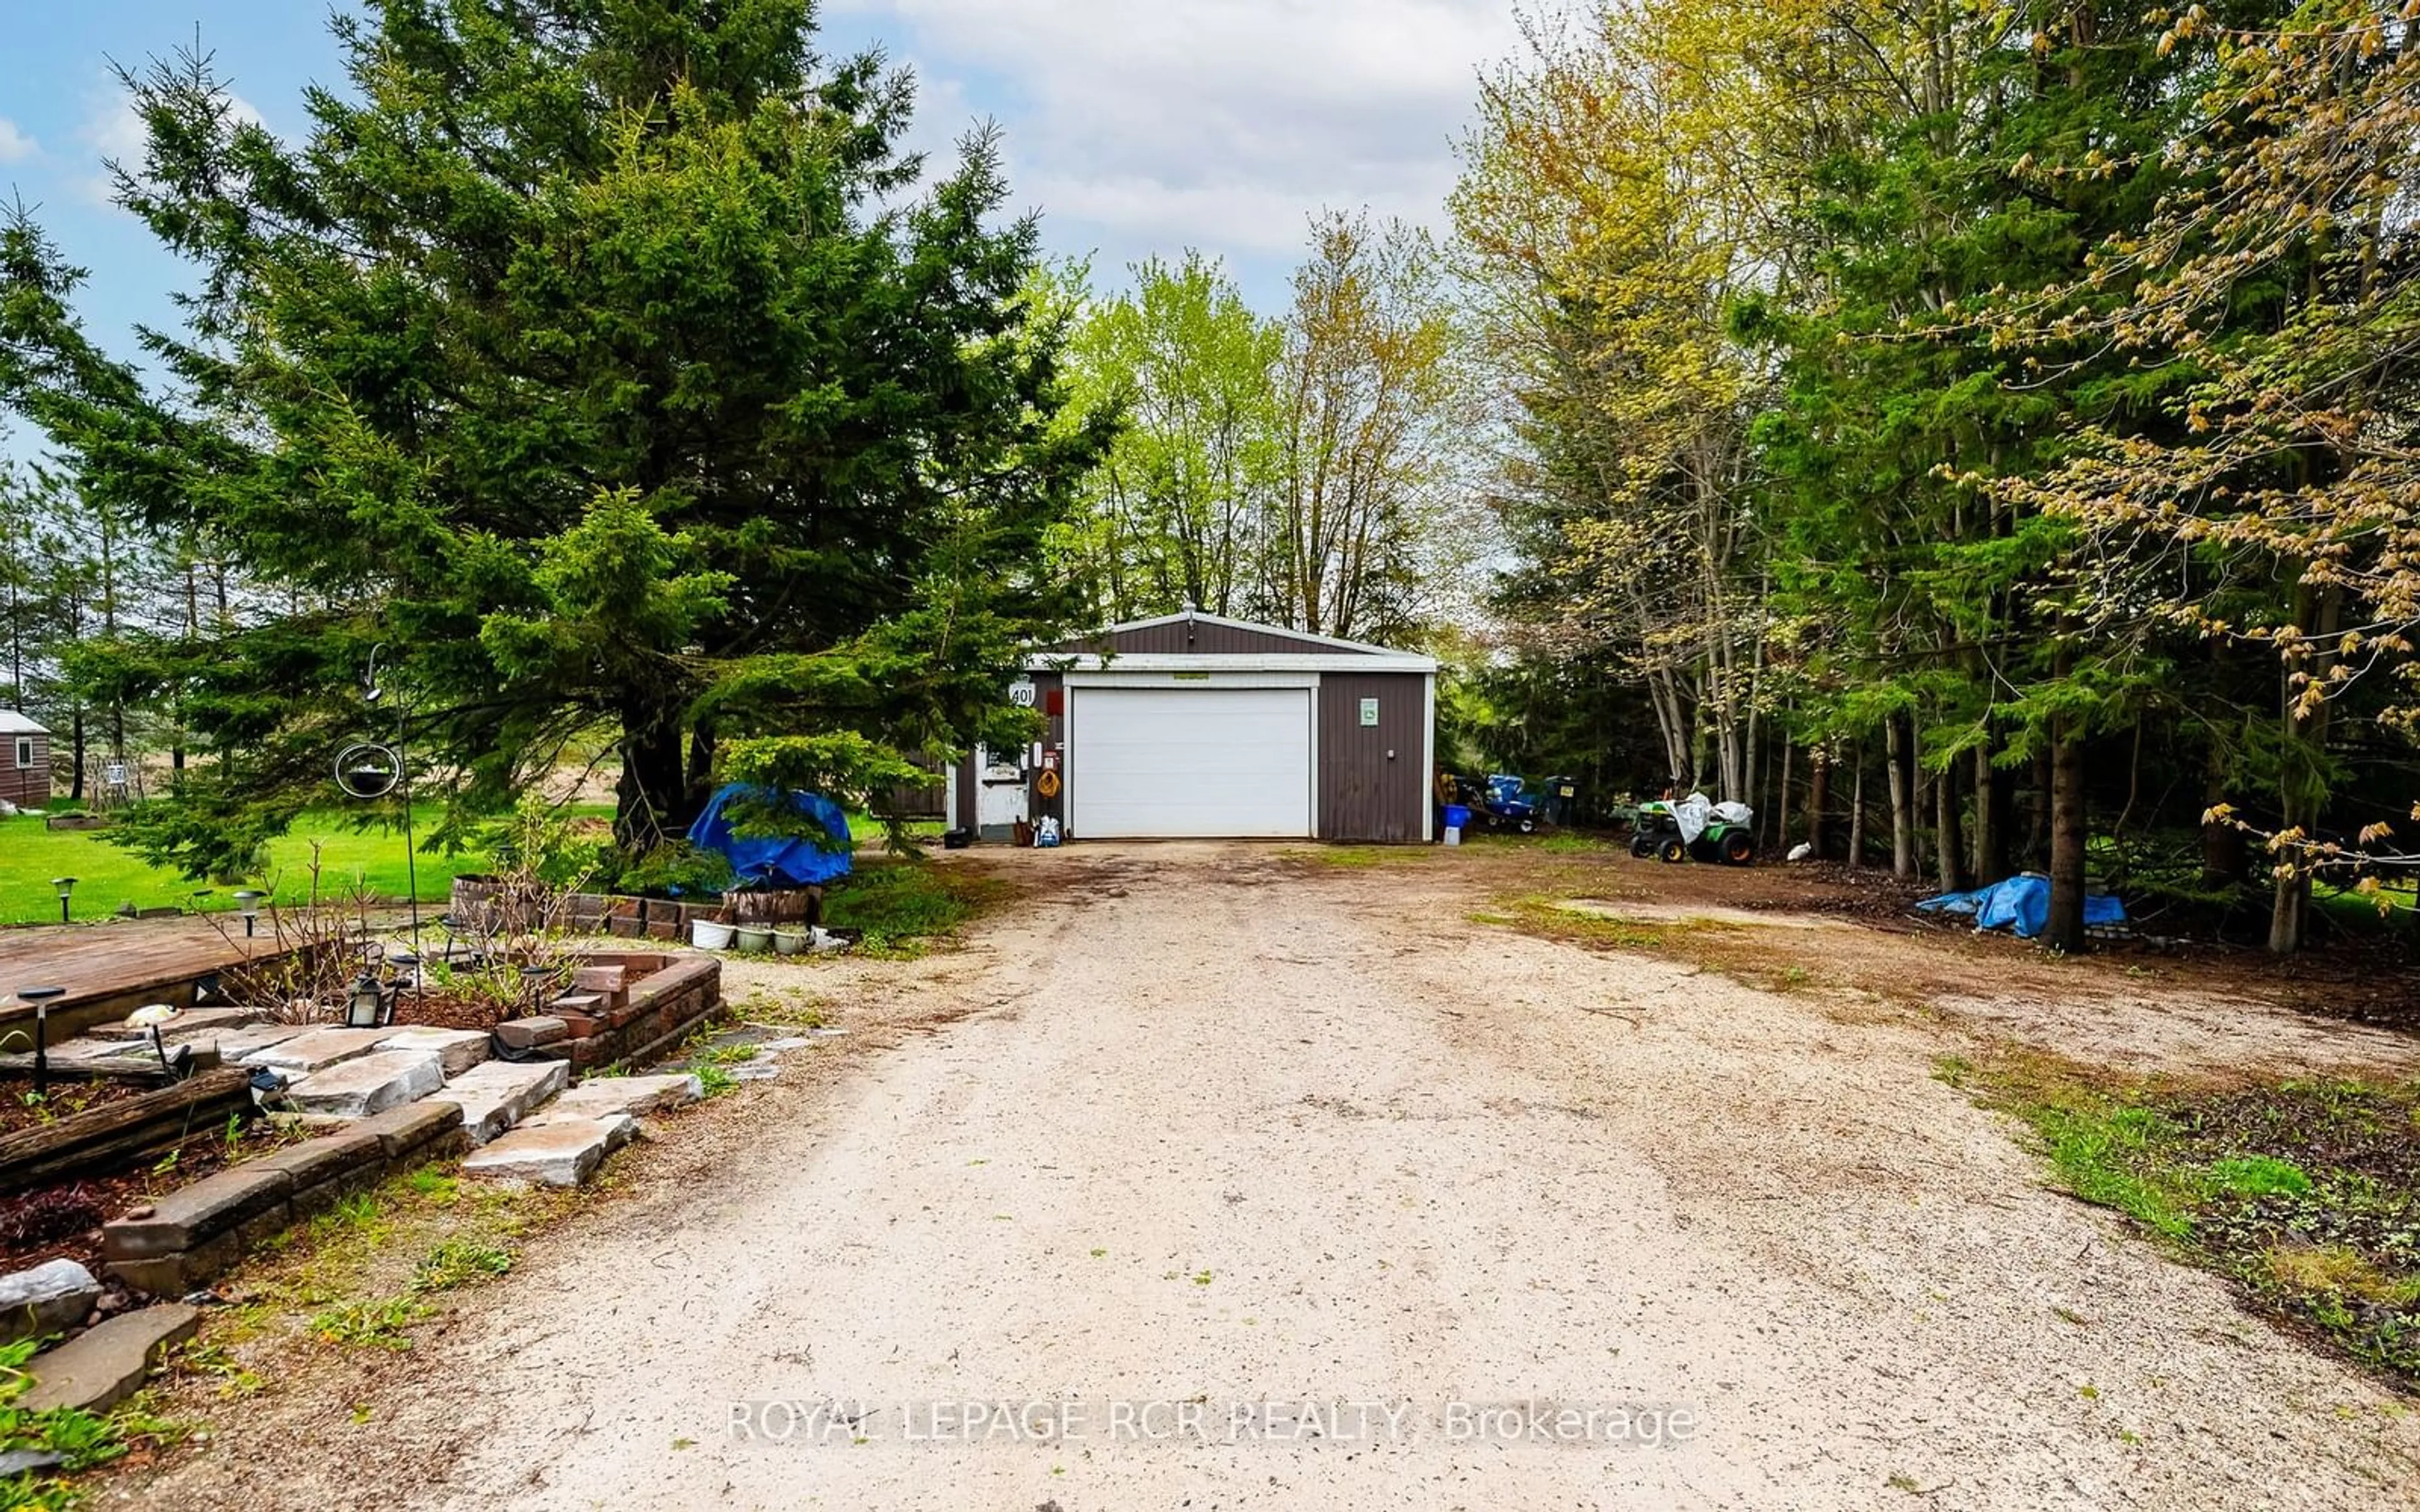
1172, 763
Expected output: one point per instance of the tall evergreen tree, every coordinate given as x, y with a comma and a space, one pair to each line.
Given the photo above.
603, 360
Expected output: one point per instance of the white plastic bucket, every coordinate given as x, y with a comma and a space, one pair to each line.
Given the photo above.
708, 935
1452, 836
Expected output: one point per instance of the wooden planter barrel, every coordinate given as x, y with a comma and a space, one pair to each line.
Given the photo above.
478, 900
771, 906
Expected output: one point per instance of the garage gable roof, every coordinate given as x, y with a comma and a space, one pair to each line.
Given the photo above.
1193, 633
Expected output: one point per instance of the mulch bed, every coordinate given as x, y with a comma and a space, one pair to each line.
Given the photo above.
63, 1221
449, 1010
21, 1110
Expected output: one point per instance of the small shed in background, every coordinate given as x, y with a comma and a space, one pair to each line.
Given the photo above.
24, 760
1193, 726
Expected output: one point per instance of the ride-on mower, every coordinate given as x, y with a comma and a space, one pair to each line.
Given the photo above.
1508, 803
1694, 829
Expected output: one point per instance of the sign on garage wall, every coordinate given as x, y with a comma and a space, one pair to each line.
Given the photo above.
1369, 714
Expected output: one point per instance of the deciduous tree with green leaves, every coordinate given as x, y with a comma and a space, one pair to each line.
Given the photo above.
1176, 512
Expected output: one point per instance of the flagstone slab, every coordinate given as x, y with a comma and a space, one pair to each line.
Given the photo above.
460, 1049
636, 1096
495, 1095
318, 1049
551, 1154
364, 1085
185, 1025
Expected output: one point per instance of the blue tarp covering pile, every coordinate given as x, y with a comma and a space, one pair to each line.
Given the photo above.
2022, 904
796, 861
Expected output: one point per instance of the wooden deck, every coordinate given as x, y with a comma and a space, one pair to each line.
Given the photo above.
110, 969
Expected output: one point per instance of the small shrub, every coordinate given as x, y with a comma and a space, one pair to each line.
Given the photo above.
676, 869
899, 905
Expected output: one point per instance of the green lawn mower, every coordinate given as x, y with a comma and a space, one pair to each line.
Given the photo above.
1723, 832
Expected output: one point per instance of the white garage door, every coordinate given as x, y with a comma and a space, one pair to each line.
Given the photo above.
1164, 762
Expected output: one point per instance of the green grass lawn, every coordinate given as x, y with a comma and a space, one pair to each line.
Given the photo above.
108, 876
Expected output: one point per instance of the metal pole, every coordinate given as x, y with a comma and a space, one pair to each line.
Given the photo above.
411, 851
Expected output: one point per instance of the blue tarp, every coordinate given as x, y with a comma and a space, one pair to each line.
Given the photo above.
796, 861
2022, 904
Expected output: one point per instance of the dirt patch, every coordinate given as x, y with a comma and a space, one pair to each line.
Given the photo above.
451, 1010
1828, 933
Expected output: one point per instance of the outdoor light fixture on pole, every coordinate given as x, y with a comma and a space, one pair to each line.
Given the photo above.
64, 887
247, 902
534, 982
41, 997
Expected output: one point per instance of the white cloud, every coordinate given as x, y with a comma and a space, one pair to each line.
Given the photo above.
114, 128
113, 132
1222, 124
15, 146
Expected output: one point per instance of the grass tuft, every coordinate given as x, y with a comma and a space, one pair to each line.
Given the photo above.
458, 1262
375, 1323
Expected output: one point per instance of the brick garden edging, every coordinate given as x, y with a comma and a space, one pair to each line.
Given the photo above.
197, 1233
670, 995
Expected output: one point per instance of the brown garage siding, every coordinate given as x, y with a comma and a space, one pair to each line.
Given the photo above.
1179, 636
1362, 794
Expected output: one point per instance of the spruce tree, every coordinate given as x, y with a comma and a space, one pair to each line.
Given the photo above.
611, 364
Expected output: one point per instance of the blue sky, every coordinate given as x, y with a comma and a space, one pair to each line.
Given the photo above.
1135, 126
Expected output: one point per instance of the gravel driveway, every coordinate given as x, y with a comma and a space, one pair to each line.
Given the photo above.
1207, 1130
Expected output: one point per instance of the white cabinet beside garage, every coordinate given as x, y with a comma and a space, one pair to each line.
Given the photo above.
1208, 761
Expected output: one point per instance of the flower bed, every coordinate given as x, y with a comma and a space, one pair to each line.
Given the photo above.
605, 1006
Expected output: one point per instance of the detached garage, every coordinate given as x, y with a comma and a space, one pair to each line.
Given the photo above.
1192, 725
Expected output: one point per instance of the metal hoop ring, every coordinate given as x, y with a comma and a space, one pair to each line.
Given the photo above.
366, 769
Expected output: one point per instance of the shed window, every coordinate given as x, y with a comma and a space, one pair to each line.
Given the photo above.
24, 752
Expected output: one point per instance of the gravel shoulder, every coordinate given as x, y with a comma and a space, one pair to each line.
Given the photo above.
1206, 1124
